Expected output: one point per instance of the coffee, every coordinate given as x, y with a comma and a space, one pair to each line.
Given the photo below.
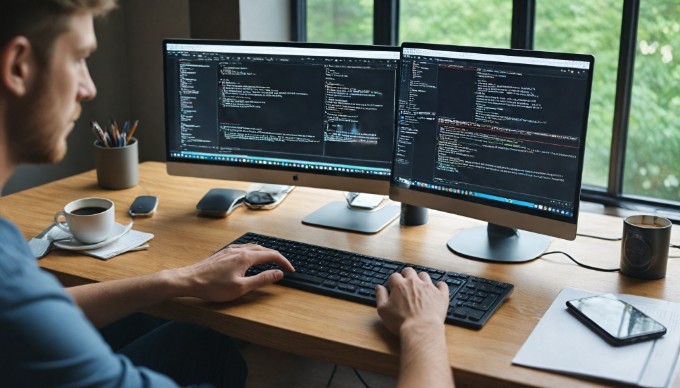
653, 225
88, 211
89, 220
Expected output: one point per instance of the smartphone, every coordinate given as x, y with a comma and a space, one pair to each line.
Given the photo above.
264, 197
364, 200
618, 322
144, 206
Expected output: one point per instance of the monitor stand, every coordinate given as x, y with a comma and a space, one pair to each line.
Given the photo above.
339, 215
499, 244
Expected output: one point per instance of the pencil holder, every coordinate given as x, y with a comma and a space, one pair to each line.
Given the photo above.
117, 167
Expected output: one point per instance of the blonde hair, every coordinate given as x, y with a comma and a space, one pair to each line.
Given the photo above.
41, 21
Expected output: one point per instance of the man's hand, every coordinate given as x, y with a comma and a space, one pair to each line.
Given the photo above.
412, 299
415, 310
221, 277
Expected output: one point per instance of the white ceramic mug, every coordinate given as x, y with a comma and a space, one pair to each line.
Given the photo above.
89, 220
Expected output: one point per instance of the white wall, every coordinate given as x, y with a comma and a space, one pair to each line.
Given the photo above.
265, 20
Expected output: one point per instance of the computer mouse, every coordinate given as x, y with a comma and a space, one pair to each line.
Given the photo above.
220, 202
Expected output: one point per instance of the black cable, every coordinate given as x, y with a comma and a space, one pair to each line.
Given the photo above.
599, 237
581, 264
356, 372
330, 379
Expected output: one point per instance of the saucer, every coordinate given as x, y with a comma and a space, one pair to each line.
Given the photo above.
75, 245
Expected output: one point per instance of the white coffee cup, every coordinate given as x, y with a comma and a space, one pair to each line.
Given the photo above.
89, 220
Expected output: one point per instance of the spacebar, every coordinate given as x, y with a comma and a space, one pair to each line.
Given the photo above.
303, 278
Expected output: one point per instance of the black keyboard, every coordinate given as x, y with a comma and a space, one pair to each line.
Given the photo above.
353, 276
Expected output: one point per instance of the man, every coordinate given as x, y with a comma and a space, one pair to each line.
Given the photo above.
48, 335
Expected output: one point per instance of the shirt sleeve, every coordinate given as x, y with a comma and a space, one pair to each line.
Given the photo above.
45, 338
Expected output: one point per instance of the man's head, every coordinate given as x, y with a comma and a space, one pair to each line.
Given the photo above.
44, 45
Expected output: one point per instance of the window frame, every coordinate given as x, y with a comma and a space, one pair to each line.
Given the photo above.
386, 32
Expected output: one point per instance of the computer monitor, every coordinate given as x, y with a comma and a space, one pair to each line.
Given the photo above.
301, 114
497, 135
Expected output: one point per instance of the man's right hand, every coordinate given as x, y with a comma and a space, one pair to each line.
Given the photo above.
412, 299
415, 310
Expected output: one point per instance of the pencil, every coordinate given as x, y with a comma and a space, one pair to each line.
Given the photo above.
114, 132
96, 134
132, 130
101, 134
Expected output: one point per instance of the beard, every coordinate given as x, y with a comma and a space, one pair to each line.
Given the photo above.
35, 135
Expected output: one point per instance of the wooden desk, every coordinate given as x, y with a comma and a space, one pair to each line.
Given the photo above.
322, 327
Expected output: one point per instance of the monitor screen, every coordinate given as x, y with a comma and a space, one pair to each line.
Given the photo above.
497, 135
299, 114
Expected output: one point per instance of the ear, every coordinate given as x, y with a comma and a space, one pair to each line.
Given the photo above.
17, 65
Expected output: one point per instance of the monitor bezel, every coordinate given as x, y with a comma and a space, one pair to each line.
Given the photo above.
508, 215
335, 180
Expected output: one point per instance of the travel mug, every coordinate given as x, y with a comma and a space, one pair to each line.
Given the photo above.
644, 247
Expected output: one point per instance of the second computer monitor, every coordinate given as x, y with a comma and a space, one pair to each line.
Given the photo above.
494, 134
283, 113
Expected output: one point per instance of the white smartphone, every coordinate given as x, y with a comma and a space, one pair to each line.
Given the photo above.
364, 200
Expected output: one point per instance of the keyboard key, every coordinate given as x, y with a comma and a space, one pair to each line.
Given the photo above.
475, 315
365, 291
488, 301
347, 287
460, 312
304, 278
330, 284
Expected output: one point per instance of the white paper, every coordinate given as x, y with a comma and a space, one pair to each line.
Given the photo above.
130, 241
560, 342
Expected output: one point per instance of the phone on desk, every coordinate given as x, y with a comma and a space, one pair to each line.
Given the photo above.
265, 197
143, 206
616, 321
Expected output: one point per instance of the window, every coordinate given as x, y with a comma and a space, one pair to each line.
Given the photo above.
340, 21
587, 27
653, 149
458, 22
633, 139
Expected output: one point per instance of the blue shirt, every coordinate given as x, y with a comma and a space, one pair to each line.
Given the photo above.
45, 339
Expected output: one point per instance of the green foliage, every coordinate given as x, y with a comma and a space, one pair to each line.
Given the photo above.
587, 27
653, 149
459, 22
340, 21
579, 26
